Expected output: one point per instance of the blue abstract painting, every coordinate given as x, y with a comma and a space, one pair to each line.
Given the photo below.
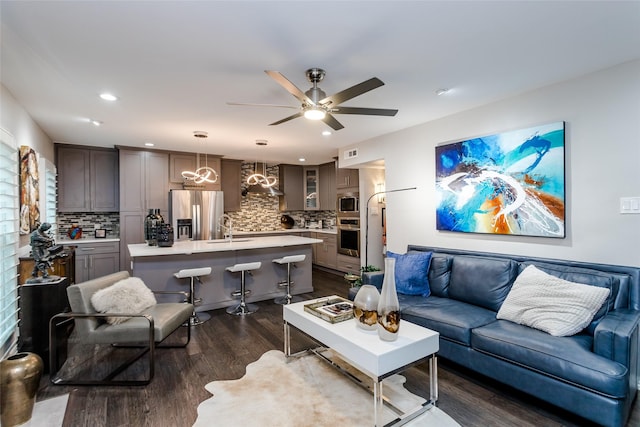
508, 183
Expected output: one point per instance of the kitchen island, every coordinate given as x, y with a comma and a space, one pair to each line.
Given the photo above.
156, 266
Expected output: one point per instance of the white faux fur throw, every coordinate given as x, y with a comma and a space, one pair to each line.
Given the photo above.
128, 296
556, 306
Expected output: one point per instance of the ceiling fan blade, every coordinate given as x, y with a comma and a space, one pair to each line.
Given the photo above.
286, 119
290, 87
331, 121
261, 105
364, 111
352, 92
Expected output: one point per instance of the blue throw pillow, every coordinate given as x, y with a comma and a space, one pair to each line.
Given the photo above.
412, 273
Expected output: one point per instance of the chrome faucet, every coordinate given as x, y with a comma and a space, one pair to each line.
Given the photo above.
225, 223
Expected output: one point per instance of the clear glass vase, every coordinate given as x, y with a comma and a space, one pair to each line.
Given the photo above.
365, 307
388, 306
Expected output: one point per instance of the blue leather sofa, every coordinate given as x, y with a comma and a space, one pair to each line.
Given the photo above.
593, 374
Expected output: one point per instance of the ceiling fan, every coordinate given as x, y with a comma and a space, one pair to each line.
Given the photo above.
316, 105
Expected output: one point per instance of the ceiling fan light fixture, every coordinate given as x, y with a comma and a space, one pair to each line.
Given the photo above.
314, 113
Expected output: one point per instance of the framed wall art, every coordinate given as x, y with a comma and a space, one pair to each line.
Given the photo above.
29, 190
509, 183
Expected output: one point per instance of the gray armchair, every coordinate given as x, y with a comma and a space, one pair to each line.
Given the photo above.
142, 332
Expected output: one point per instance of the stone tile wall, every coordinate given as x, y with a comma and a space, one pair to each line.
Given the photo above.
110, 221
259, 212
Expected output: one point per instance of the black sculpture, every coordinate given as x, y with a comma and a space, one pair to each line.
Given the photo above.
44, 251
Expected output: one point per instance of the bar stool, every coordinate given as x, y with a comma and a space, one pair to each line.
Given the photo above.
194, 274
290, 261
243, 308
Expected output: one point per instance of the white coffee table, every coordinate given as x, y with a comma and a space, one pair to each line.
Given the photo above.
369, 354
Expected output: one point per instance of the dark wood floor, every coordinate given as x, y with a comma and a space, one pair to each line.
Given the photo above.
222, 347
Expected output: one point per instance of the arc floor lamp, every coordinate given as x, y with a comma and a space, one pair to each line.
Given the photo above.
366, 235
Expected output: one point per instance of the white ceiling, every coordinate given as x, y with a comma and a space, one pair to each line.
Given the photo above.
175, 64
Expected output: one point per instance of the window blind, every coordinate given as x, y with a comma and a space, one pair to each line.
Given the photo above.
9, 209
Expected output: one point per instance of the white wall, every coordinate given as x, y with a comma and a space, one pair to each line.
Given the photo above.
368, 179
15, 120
602, 148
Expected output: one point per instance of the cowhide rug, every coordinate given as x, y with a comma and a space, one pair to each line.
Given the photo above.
306, 391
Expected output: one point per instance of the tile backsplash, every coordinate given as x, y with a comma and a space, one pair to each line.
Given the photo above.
260, 212
89, 221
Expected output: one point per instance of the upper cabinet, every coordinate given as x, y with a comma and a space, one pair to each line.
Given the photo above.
311, 189
347, 178
179, 162
87, 179
291, 184
231, 175
145, 181
308, 188
327, 179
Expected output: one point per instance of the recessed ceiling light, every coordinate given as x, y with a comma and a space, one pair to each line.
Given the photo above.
261, 142
326, 132
200, 134
96, 122
442, 91
149, 144
108, 97
302, 159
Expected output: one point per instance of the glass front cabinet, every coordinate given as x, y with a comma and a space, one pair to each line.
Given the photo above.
311, 188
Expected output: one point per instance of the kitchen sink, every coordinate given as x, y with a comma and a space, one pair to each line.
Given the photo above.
228, 241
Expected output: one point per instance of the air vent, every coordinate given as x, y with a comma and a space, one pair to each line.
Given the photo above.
351, 154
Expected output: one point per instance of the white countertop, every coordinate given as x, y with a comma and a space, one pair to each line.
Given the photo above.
287, 230
220, 245
85, 241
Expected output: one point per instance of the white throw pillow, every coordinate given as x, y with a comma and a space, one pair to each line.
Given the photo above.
129, 296
556, 306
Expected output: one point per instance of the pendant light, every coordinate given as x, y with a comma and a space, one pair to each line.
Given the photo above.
202, 175
261, 178
261, 182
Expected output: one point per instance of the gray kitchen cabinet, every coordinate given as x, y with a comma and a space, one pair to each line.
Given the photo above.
327, 179
326, 253
96, 259
348, 264
144, 178
347, 178
87, 179
231, 176
179, 162
291, 184
311, 189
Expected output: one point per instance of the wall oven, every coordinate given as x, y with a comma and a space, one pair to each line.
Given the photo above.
349, 236
348, 204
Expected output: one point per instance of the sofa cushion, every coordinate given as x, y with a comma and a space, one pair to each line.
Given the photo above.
481, 281
453, 319
411, 272
586, 276
568, 359
439, 274
127, 296
556, 306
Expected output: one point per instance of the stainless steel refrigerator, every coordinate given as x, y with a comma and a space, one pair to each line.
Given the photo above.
194, 214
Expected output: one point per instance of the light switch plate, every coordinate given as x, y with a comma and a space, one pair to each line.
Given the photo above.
630, 205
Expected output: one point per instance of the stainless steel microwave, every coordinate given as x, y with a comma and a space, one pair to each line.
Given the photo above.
348, 203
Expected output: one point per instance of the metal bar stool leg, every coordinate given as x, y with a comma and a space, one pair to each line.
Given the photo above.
243, 308
290, 261
197, 318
